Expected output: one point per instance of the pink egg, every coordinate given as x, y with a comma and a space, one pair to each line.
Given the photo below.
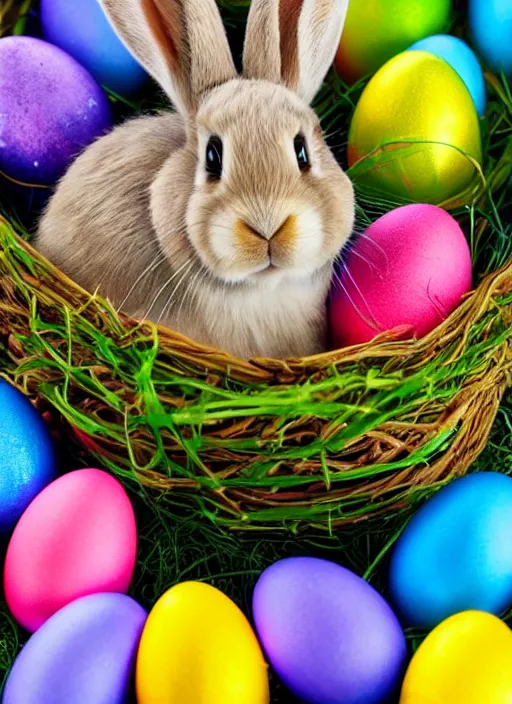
77, 537
410, 268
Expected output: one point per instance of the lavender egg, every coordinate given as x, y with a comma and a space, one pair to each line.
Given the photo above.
330, 637
51, 108
84, 654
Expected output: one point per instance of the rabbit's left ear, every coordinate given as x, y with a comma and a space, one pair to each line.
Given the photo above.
293, 42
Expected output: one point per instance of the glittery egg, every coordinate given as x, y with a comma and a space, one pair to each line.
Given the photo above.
51, 108
415, 132
460, 57
377, 30
81, 28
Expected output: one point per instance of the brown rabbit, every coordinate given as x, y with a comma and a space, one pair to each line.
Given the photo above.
221, 220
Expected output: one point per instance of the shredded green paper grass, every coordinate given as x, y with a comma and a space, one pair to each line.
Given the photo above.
232, 465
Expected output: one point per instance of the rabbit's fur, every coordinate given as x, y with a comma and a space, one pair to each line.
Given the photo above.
242, 262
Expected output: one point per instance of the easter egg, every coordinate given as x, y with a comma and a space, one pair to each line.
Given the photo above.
460, 57
51, 108
197, 646
82, 29
27, 456
415, 133
456, 552
467, 659
410, 268
330, 637
84, 654
377, 30
490, 22
76, 538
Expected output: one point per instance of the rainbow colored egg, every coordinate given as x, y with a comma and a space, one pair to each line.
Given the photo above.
415, 133
467, 659
377, 30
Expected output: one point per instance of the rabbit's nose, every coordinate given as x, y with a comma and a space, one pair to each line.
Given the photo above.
286, 234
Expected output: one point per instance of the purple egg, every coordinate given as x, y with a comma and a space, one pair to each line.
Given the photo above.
51, 108
83, 654
327, 633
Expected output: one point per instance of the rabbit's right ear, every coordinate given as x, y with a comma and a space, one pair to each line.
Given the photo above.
181, 43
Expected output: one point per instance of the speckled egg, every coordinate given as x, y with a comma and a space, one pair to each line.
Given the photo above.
27, 456
415, 132
81, 28
51, 108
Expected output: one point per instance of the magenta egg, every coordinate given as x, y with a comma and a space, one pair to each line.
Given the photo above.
410, 268
77, 537
51, 108
84, 654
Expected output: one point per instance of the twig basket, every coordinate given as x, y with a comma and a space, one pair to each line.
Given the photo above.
319, 442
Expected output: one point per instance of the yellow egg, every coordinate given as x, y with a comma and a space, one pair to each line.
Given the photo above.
415, 132
467, 659
198, 648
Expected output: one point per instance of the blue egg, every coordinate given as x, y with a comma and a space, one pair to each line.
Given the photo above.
27, 457
490, 22
81, 28
460, 57
456, 552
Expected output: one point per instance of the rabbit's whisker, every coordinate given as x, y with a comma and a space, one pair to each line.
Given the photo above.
188, 263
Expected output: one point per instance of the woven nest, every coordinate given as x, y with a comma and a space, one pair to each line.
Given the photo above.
319, 441
316, 442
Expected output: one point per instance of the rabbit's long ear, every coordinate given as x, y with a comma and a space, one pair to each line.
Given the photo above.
293, 41
181, 43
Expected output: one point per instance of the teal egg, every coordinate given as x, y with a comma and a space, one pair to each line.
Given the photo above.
460, 57
456, 553
27, 456
490, 22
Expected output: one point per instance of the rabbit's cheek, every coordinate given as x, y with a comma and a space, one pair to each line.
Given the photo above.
299, 244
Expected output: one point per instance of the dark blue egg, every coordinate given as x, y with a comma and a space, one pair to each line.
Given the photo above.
456, 553
27, 456
81, 28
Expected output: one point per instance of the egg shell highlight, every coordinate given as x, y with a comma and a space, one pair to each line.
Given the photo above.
415, 132
82, 29
198, 646
27, 456
84, 654
51, 109
456, 552
490, 22
467, 659
377, 30
410, 269
77, 537
461, 58
330, 637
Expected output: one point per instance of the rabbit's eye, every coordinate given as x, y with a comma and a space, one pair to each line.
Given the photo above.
301, 152
214, 157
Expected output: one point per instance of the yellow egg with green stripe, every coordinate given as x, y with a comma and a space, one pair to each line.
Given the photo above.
198, 648
415, 132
